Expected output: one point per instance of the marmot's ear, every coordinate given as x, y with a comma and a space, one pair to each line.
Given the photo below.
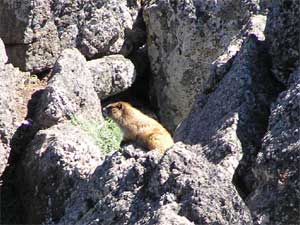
120, 106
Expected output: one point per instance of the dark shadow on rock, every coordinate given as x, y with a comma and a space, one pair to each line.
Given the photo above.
138, 94
135, 37
12, 211
258, 121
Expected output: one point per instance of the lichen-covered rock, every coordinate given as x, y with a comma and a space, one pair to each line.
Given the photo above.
277, 198
134, 187
282, 35
111, 75
56, 160
184, 39
70, 91
37, 31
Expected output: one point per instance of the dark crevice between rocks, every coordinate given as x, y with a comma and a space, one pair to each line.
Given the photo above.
44, 75
135, 37
265, 95
138, 93
12, 210
217, 74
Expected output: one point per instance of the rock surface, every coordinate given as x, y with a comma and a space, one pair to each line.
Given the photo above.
70, 91
11, 112
134, 187
242, 98
282, 35
277, 199
56, 160
184, 39
16, 88
38, 31
111, 75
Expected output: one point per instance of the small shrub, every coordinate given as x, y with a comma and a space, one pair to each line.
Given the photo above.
106, 135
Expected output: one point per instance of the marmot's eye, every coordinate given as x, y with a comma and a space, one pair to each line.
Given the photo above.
120, 106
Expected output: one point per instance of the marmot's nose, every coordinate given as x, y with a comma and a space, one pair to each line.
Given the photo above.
105, 111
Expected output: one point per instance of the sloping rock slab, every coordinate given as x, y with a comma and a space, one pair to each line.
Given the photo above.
56, 160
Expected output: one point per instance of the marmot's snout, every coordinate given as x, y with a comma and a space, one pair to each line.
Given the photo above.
106, 111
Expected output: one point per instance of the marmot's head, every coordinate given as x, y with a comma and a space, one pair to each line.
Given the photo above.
116, 110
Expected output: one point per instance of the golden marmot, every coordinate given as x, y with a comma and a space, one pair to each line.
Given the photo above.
136, 126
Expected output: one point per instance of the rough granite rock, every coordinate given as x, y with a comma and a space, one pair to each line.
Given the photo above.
111, 75
56, 160
37, 31
134, 187
282, 36
11, 115
185, 38
277, 198
70, 91
243, 96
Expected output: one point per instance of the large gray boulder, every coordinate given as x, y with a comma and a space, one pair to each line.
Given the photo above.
277, 198
37, 31
70, 91
111, 75
242, 99
56, 160
187, 40
134, 187
282, 36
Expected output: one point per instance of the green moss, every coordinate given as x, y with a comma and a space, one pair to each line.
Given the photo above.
106, 135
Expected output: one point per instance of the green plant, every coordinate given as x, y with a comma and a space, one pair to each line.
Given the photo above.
107, 135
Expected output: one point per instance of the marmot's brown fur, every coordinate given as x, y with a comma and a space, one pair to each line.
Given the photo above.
136, 126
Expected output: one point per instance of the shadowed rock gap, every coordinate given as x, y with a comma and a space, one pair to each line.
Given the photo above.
12, 210
244, 179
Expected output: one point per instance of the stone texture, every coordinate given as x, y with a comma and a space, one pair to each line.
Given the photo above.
56, 160
184, 40
277, 199
70, 91
13, 94
111, 75
39, 30
242, 100
282, 35
135, 187
11, 112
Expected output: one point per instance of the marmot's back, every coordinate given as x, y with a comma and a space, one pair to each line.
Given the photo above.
137, 126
